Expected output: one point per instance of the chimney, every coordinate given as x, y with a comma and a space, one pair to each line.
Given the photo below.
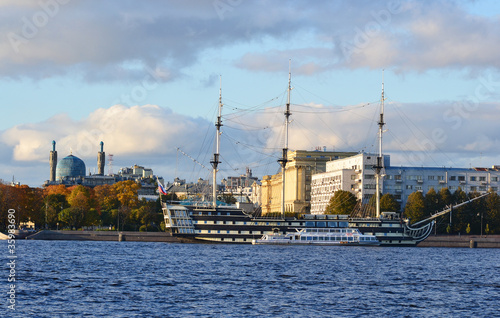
101, 155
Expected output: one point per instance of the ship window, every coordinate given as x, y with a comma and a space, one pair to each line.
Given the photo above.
321, 224
310, 224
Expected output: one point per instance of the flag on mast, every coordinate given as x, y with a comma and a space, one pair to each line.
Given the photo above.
161, 189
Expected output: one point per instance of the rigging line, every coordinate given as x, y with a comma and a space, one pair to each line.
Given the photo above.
369, 131
329, 127
333, 111
434, 144
246, 129
307, 129
241, 114
408, 124
251, 107
252, 147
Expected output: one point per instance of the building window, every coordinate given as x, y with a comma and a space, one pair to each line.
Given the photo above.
369, 176
430, 177
494, 179
453, 178
418, 188
397, 177
473, 188
473, 178
440, 178
461, 178
482, 178
409, 187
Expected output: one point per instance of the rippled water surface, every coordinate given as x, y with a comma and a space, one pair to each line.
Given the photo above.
132, 279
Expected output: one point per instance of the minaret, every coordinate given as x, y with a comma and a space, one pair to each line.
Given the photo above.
101, 155
53, 162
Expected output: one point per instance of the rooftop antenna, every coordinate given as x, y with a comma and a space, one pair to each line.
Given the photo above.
215, 161
284, 159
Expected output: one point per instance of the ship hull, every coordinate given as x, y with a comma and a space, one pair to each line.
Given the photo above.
232, 225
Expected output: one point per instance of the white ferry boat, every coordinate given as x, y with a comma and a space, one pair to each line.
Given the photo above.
318, 236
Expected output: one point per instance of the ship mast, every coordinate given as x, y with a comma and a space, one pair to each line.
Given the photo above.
284, 159
215, 161
380, 163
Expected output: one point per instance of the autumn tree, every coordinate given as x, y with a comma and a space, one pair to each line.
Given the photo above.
342, 202
126, 193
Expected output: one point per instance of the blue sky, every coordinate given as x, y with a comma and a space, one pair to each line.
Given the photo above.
143, 76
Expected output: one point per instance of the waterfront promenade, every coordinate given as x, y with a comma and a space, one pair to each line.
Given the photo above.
472, 241
103, 236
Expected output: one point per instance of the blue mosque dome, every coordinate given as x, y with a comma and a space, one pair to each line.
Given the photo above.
71, 167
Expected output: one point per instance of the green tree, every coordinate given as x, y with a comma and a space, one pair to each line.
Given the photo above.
388, 203
342, 202
415, 207
227, 198
493, 212
459, 215
73, 217
444, 200
53, 204
431, 202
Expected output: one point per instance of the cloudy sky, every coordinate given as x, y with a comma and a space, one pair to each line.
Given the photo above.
144, 76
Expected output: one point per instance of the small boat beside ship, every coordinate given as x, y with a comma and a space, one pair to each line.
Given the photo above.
319, 236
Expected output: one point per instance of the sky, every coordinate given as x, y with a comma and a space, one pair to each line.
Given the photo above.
145, 78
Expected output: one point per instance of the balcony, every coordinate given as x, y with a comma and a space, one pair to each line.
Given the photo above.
420, 181
442, 181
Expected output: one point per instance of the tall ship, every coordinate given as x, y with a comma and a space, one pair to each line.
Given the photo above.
242, 223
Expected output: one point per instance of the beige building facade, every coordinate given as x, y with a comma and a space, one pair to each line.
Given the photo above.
301, 166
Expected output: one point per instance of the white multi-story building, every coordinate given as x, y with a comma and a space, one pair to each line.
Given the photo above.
402, 181
356, 174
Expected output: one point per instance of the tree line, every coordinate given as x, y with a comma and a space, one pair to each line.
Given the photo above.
476, 217
113, 207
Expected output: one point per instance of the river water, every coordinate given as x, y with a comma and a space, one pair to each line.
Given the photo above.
135, 279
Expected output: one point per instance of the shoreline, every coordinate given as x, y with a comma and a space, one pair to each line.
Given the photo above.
469, 241
64, 235
454, 241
